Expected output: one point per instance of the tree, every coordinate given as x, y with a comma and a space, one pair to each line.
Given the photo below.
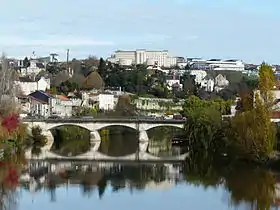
26, 62
124, 106
254, 134
94, 81
7, 88
204, 123
53, 68
102, 68
76, 66
189, 85
60, 77
266, 84
78, 79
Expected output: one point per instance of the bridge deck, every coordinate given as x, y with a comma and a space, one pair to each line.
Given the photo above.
107, 120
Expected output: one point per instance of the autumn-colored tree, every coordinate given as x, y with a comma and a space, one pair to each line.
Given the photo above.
124, 106
255, 135
245, 103
94, 81
267, 83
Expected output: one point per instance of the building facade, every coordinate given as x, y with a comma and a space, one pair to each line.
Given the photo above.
45, 105
216, 64
142, 56
26, 85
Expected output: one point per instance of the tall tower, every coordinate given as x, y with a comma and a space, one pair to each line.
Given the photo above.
67, 57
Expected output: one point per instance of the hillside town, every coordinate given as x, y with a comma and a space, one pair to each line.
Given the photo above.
156, 82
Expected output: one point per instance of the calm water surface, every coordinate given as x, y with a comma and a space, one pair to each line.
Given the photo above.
137, 186
194, 184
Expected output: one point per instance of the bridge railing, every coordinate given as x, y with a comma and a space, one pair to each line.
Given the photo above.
151, 120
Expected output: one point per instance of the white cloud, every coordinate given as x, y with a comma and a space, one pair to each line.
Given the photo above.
52, 42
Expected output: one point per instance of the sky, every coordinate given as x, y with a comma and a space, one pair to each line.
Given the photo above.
237, 29
179, 197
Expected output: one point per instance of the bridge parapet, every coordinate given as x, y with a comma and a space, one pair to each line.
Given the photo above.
94, 125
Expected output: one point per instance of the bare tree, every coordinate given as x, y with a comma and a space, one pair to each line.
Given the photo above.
7, 90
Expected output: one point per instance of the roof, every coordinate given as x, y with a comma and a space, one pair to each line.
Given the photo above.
215, 59
40, 96
63, 98
25, 79
40, 65
207, 77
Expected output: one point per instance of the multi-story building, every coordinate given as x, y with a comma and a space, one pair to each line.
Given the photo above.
27, 85
216, 64
142, 56
46, 105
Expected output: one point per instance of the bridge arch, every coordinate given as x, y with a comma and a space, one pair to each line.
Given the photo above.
46, 133
80, 125
147, 127
99, 126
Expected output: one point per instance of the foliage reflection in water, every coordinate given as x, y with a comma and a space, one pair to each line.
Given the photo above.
246, 185
234, 187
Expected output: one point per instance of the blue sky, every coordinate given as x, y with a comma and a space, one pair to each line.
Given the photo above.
179, 197
245, 29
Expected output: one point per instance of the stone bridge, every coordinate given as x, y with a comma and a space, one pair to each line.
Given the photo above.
94, 125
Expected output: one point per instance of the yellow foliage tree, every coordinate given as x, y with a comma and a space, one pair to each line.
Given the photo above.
267, 83
94, 81
255, 134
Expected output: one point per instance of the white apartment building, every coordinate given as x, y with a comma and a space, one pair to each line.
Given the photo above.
216, 64
231, 65
151, 58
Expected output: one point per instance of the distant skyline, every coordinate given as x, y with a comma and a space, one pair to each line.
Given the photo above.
241, 29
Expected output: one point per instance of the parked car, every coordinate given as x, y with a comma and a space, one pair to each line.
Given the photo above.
177, 117
54, 117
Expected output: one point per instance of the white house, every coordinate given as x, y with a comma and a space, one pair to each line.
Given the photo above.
61, 106
45, 105
34, 68
27, 85
159, 104
172, 81
208, 84
199, 75
220, 82
106, 101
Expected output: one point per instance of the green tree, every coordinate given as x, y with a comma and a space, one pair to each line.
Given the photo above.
26, 62
102, 68
204, 123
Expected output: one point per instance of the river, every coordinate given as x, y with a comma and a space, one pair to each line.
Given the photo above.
196, 183
136, 186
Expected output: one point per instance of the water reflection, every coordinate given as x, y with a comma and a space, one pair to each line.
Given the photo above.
161, 141
160, 184
248, 186
119, 141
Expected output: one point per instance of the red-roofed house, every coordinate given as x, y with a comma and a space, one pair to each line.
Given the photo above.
46, 105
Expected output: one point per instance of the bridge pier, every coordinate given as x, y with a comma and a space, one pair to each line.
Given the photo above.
95, 140
143, 141
49, 140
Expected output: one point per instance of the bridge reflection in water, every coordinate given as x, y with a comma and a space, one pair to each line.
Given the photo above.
147, 145
96, 176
